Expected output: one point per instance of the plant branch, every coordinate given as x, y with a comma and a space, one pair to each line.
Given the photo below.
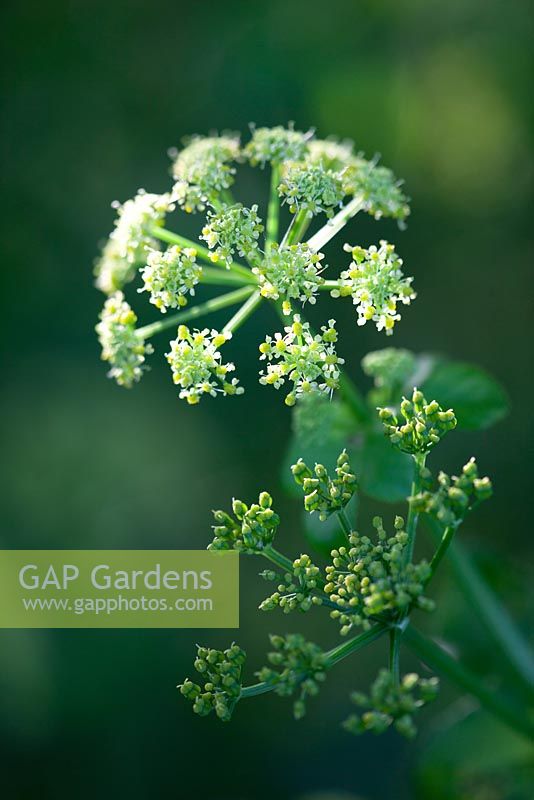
429, 652
334, 225
345, 522
242, 314
413, 516
215, 304
273, 211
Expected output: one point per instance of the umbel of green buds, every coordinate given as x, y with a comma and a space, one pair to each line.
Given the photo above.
296, 666
369, 578
425, 424
203, 169
296, 589
122, 347
309, 362
391, 703
223, 673
311, 188
250, 529
197, 366
454, 497
323, 493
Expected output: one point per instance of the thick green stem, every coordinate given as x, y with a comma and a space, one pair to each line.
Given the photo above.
413, 516
334, 225
498, 623
277, 558
202, 252
214, 276
243, 313
298, 228
273, 211
215, 304
353, 645
429, 652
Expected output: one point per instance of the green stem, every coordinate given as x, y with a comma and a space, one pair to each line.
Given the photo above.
297, 230
442, 548
429, 652
242, 314
345, 522
353, 645
202, 252
277, 558
334, 225
215, 304
413, 516
273, 211
215, 276
395, 636
490, 612
327, 286
255, 689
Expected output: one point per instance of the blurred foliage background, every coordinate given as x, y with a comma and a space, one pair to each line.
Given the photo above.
93, 94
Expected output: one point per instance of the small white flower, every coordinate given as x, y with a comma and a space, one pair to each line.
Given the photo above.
312, 188
169, 276
122, 347
203, 169
275, 145
309, 362
235, 228
197, 367
130, 237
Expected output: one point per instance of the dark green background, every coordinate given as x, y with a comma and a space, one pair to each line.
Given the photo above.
93, 95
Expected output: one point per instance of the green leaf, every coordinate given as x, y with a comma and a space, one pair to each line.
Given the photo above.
477, 399
385, 473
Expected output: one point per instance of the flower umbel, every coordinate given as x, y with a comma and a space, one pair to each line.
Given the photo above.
122, 347
290, 273
311, 188
453, 498
222, 688
323, 493
197, 366
170, 275
275, 145
309, 361
203, 169
376, 283
424, 426
250, 530
234, 229
296, 589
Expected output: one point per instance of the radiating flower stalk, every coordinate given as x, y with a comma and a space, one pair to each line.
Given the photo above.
323, 183
373, 584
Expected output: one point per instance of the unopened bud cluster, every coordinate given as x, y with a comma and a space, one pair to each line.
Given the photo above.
197, 366
323, 493
223, 673
392, 704
309, 362
371, 578
377, 285
296, 589
425, 424
122, 347
250, 529
203, 169
454, 496
296, 666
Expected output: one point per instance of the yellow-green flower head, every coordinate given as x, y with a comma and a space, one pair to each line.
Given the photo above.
251, 528
234, 229
169, 276
122, 347
377, 285
112, 271
425, 424
309, 362
381, 192
453, 497
130, 236
204, 168
197, 366
311, 188
290, 273
222, 672
276, 145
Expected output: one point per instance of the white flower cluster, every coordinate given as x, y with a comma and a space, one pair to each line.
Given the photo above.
203, 169
275, 145
381, 191
122, 347
309, 362
170, 275
235, 228
127, 245
311, 188
197, 367
331, 154
290, 273
376, 283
